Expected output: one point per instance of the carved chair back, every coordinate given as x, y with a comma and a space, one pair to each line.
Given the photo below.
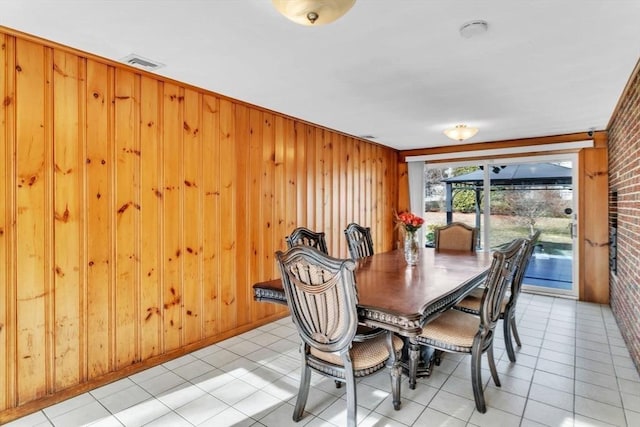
359, 241
499, 279
322, 298
302, 236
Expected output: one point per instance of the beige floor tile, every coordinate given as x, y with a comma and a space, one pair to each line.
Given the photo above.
253, 380
599, 411
548, 415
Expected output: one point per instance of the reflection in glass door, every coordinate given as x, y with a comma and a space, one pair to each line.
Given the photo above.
524, 195
536, 196
448, 201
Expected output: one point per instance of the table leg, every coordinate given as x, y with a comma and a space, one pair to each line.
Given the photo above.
395, 372
414, 356
419, 360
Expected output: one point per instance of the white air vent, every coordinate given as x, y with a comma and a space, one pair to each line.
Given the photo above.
140, 62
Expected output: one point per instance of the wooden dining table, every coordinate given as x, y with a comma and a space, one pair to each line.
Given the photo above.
402, 298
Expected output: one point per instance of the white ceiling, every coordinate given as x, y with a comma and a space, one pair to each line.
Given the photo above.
395, 69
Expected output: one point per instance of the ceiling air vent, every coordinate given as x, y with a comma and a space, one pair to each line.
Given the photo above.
140, 62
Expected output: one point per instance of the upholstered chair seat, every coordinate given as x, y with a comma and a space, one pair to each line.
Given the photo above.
451, 331
367, 356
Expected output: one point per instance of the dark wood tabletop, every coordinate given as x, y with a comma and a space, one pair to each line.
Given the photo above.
399, 297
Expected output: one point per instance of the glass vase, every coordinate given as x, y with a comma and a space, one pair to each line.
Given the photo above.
411, 247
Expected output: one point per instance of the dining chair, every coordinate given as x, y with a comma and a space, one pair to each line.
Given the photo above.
456, 236
359, 241
322, 298
472, 303
304, 236
455, 331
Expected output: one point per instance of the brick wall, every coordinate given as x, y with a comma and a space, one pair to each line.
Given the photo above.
624, 178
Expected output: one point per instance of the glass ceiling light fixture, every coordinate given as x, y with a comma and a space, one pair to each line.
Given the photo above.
313, 12
460, 132
473, 28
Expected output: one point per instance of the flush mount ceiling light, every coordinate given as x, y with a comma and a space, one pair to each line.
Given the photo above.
460, 132
473, 28
313, 12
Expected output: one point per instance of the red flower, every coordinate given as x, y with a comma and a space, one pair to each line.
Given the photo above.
409, 221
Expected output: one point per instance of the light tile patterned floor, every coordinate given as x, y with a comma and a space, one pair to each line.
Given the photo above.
573, 370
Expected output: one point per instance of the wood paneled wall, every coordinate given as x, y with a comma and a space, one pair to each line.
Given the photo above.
137, 212
594, 226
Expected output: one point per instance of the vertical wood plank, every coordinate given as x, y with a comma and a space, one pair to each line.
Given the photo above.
343, 197
291, 179
595, 240
327, 185
172, 147
242, 137
268, 195
335, 194
380, 212
376, 183
99, 219
49, 261
389, 197
192, 224
254, 205
290, 187
31, 223
256, 214
358, 188
68, 246
7, 229
350, 193
228, 226
282, 134
127, 156
367, 190
211, 215
151, 272
82, 178
5, 211
311, 178
392, 176
319, 184
280, 189
301, 173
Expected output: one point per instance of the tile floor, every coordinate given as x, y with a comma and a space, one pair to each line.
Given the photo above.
573, 370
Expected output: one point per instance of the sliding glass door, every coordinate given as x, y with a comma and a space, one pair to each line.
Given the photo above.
524, 195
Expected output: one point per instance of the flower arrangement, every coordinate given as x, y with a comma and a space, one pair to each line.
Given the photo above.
410, 221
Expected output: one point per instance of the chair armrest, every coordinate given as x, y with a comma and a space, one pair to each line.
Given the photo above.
365, 333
